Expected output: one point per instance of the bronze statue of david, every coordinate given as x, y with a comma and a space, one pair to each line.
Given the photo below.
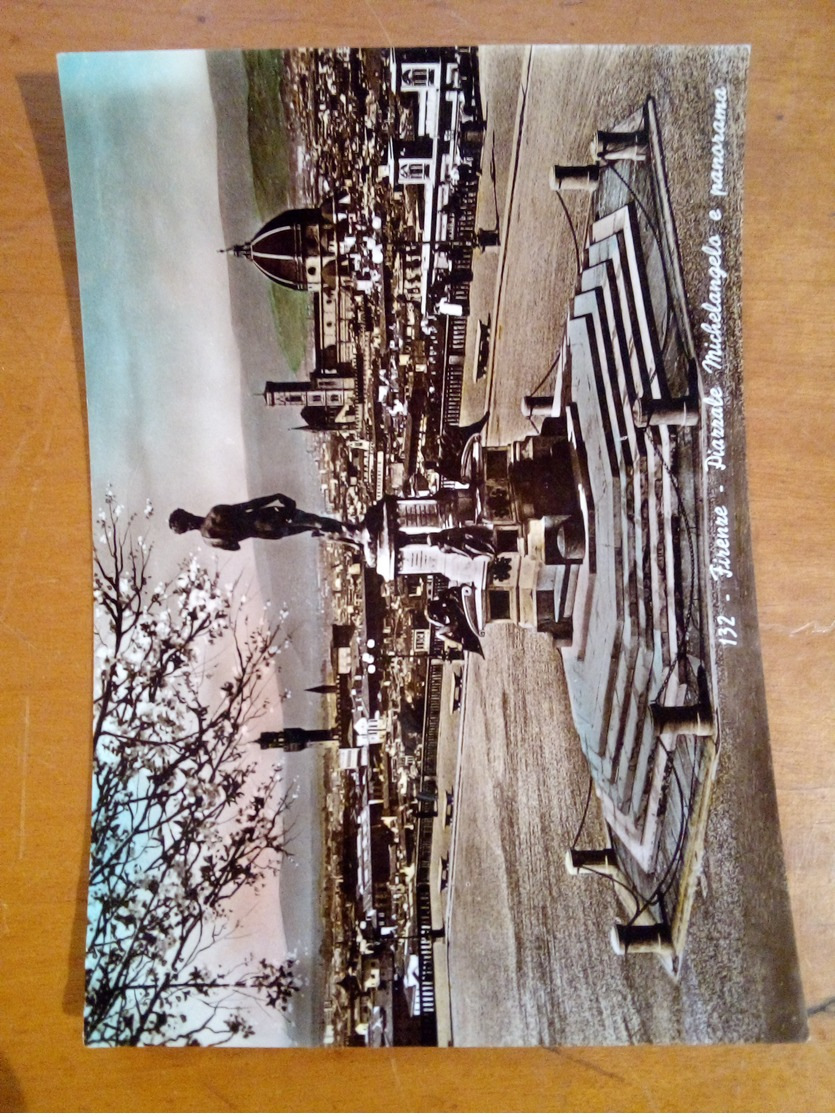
267, 517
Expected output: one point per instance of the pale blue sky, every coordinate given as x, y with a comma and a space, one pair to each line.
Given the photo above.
162, 364
161, 361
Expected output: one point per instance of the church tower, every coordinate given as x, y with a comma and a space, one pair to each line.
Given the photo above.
326, 402
293, 739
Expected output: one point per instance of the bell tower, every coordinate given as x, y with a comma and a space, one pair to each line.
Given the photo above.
293, 739
326, 402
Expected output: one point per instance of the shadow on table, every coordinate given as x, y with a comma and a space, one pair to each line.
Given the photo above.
73, 1000
11, 1095
41, 97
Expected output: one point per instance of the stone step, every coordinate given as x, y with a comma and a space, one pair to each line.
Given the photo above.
618, 239
623, 226
654, 464
607, 337
593, 690
632, 626
619, 242
565, 590
611, 253
619, 405
603, 277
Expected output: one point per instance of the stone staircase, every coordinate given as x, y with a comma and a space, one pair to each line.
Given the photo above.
629, 610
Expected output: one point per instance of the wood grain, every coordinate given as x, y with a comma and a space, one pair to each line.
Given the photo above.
45, 605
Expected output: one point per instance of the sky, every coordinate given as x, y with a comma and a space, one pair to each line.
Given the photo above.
162, 363
161, 360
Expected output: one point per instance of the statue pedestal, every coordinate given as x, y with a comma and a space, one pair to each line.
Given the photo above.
426, 558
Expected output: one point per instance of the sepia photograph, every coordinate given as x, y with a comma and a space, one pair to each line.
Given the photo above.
427, 690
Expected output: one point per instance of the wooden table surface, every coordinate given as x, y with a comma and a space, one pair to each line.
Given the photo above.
45, 600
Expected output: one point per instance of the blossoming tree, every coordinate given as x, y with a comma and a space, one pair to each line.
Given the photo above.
181, 822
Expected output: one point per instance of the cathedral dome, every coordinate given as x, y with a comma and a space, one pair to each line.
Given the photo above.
287, 249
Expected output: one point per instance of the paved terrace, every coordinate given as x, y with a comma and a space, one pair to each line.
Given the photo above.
528, 952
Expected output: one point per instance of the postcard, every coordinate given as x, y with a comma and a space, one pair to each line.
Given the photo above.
428, 697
